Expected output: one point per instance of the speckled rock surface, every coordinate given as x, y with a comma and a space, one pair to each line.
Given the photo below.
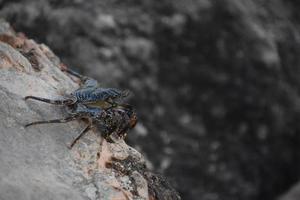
35, 161
292, 194
215, 82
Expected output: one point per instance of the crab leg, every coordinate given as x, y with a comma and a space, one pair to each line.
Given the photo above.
56, 102
83, 131
64, 120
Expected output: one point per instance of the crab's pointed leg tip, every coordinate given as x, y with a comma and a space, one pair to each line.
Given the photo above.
27, 125
28, 97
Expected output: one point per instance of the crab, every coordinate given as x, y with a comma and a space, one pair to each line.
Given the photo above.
97, 105
90, 94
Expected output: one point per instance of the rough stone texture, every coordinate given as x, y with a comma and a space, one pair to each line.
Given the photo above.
292, 194
35, 161
217, 81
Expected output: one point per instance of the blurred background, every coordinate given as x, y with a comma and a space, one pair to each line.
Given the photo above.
216, 83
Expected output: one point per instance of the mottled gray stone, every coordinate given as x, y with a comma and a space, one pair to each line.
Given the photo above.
35, 162
292, 194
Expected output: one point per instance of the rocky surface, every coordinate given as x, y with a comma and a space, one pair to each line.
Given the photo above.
292, 194
36, 162
217, 81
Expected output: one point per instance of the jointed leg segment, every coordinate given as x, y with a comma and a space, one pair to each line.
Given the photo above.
64, 120
76, 74
86, 129
56, 102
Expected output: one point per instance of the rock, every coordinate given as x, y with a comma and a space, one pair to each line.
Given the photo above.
292, 194
216, 81
138, 48
35, 161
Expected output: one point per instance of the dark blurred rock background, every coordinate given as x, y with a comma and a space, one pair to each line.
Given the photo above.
217, 81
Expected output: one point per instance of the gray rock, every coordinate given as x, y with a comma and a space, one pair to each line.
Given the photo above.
292, 194
35, 161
